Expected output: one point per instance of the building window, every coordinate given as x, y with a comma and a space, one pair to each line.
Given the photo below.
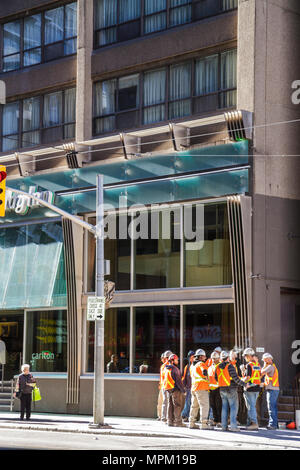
208, 326
40, 38
154, 329
39, 120
121, 20
184, 89
46, 340
154, 257
116, 341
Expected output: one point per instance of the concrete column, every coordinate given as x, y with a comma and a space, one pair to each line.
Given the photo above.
84, 103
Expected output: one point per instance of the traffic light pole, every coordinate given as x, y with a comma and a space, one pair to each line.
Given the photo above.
98, 405
98, 231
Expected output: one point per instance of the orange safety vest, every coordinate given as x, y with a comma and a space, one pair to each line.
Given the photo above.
199, 381
162, 367
209, 362
234, 365
274, 380
255, 373
168, 381
224, 378
184, 372
213, 384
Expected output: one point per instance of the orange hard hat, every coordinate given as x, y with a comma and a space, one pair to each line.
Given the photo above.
291, 425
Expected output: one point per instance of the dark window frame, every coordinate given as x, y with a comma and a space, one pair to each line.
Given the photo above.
21, 133
192, 96
167, 11
43, 47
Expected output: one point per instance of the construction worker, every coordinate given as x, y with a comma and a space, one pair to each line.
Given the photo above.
164, 406
199, 391
215, 401
242, 409
209, 361
252, 376
228, 381
271, 384
174, 390
160, 393
187, 382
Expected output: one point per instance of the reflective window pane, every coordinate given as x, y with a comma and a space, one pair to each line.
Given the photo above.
208, 262
54, 25
208, 326
32, 57
46, 341
12, 62
31, 114
52, 109
116, 341
11, 37
157, 257
71, 20
32, 32
156, 330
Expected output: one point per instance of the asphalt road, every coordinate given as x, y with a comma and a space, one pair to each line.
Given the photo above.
14, 439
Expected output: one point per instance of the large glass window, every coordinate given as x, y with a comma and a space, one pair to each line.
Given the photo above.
156, 330
144, 249
120, 20
194, 87
116, 341
39, 120
46, 340
41, 37
157, 259
208, 262
208, 326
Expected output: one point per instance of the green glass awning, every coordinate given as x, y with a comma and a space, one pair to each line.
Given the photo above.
32, 270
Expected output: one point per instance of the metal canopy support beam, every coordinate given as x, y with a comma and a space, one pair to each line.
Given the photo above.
180, 136
131, 145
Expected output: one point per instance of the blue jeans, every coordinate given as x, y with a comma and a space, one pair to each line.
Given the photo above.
229, 401
250, 399
187, 405
272, 397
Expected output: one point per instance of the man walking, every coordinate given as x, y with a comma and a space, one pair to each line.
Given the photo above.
228, 381
271, 383
174, 389
187, 383
252, 376
199, 389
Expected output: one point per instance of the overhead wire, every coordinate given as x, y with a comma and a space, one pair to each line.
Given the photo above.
152, 142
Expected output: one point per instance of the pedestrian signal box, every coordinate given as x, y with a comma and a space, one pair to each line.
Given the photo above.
3, 175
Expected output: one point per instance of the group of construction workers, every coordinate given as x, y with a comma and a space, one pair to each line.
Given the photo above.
215, 389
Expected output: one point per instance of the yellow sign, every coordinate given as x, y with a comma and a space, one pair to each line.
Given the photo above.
2, 189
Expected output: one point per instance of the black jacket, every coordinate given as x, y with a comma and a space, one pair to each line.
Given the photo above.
235, 380
23, 380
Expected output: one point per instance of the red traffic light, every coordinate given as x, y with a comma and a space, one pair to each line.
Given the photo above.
3, 175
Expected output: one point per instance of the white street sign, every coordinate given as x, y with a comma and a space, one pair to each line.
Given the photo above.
96, 308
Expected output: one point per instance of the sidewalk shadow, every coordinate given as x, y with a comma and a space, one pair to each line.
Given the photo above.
275, 435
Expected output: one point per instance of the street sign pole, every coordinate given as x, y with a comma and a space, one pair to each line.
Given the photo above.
98, 404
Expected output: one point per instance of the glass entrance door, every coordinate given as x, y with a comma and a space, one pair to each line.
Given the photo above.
11, 333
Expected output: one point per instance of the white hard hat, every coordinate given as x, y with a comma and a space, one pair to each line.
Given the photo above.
200, 352
215, 355
218, 349
267, 356
167, 354
224, 355
248, 352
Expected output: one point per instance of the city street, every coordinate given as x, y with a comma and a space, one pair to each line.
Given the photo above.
69, 432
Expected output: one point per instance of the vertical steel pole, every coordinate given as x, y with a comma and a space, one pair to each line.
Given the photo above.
98, 406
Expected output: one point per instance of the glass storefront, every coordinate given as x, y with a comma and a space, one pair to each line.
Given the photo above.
156, 329
46, 340
11, 333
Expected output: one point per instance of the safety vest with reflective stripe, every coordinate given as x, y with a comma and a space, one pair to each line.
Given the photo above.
199, 380
213, 384
168, 381
224, 378
274, 380
162, 368
255, 373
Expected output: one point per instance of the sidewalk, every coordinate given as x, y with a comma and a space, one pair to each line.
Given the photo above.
142, 427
